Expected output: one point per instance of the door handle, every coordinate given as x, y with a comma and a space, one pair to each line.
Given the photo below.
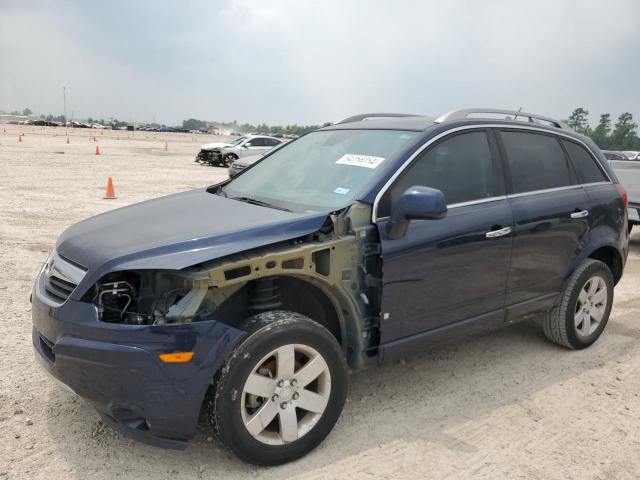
580, 214
498, 233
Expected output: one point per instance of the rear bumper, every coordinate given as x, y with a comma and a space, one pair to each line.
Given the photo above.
117, 368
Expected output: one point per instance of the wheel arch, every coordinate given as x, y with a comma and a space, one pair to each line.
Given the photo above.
306, 295
606, 252
612, 257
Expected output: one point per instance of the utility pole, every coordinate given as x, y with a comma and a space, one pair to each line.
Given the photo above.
64, 101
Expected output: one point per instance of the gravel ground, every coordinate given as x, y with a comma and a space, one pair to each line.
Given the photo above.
505, 405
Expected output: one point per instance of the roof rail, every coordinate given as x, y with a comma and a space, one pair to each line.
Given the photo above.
366, 116
532, 117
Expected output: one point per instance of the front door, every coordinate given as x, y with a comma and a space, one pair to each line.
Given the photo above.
453, 269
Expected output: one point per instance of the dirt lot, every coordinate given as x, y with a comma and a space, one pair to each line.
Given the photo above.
506, 405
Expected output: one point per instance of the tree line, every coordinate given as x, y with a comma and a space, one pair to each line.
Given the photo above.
620, 136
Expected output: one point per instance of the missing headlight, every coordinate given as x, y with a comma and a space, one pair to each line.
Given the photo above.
147, 297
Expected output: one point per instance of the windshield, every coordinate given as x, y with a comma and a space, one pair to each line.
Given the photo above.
323, 170
238, 141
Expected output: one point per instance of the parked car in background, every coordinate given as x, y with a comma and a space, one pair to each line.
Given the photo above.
629, 174
632, 155
358, 244
614, 155
224, 154
240, 164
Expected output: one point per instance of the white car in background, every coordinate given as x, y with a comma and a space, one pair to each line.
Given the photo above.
632, 155
224, 154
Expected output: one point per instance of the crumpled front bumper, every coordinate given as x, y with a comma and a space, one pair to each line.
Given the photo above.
117, 368
209, 156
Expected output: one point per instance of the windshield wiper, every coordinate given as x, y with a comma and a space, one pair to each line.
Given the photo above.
254, 201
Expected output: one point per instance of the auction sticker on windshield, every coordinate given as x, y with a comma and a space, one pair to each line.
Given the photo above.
365, 161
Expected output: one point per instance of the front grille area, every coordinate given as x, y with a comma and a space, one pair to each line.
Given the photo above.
209, 156
58, 288
58, 279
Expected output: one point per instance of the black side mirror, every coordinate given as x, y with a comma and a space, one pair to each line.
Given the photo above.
417, 203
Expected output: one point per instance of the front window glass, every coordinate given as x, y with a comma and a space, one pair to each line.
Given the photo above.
324, 170
460, 166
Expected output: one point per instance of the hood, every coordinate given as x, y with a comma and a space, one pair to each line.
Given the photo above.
178, 231
212, 146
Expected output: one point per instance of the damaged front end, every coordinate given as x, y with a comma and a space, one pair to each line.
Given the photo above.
211, 156
148, 297
332, 276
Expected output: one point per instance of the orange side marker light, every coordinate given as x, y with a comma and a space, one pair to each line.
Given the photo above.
177, 357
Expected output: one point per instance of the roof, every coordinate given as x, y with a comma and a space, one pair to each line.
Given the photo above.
400, 121
416, 123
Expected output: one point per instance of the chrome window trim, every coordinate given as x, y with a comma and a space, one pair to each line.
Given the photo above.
595, 184
475, 202
397, 173
467, 204
544, 190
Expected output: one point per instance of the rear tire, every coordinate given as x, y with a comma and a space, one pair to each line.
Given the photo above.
584, 308
281, 391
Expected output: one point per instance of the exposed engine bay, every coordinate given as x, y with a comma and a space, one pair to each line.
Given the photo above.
332, 276
147, 297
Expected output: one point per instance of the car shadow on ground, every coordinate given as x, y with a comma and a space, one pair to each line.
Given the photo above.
420, 398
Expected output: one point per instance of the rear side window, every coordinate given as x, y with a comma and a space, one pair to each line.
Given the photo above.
586, 167
460, 166
536, 161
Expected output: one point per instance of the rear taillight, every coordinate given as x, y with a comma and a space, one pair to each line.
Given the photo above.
623, 195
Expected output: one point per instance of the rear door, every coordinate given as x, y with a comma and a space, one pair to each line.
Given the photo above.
551, 213
259, 146
445, 271
596, 183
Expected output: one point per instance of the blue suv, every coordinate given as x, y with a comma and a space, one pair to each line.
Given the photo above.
357, 244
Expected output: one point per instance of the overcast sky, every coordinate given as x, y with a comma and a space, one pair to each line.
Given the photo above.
314, 61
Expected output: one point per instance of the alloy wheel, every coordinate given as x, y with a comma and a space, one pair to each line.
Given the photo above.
285, 394
591, 306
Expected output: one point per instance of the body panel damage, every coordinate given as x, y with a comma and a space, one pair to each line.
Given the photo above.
332, 275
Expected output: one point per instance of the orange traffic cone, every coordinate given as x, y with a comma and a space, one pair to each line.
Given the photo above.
166, 147
111, 193
68, 142
97, 150
20, 138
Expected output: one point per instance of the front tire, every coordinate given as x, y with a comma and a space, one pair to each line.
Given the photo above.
583, 312
281, 391
228, 159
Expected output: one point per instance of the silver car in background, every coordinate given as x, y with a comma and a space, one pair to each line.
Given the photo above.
238, 165
224, 154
